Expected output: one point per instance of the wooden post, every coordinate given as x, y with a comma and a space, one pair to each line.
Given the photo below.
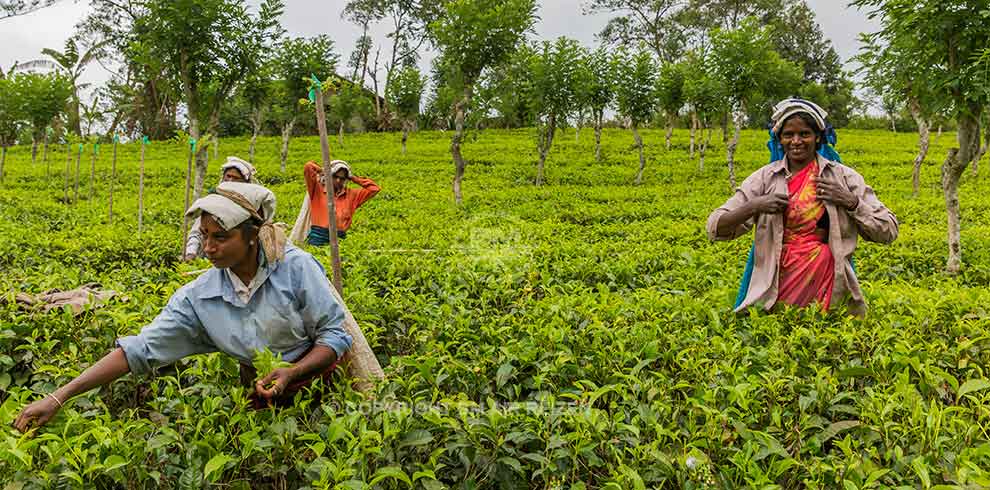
185, 221
321, 124
92, 172
144, 144
68, 170
113, 174
75, 194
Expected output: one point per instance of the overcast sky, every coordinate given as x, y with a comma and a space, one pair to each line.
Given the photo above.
24, 37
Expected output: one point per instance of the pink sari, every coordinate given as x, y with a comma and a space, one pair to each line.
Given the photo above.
807, 268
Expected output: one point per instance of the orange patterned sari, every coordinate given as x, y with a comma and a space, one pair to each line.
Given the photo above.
807, 268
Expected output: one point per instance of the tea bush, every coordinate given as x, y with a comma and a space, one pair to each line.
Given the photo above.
575, 336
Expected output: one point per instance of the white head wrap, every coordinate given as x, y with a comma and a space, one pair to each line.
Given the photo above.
788, 107
234, 203
339, 165
245, 168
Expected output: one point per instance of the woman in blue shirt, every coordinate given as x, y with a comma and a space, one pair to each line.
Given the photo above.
261, 293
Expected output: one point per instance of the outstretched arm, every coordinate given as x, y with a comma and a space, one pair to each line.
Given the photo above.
105, 371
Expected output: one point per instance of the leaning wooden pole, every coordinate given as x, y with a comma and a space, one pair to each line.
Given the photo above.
144, 144
321, 124
113, 174
185, 220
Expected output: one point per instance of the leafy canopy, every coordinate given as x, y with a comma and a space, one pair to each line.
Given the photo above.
635, 85
474, 35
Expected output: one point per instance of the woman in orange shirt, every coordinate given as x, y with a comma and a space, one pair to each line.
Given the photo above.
346, 200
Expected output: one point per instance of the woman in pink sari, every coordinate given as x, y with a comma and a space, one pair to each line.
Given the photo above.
808, 211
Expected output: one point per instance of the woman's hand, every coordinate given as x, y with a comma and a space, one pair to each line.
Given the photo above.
830, 191
769, 204
275, 383
36, 414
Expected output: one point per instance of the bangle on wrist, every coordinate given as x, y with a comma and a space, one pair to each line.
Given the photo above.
52, 395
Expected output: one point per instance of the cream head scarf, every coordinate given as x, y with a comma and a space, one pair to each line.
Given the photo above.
340, 165
788, 107
245, 168
233, 203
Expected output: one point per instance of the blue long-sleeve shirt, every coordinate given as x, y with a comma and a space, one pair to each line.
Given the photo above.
292, 310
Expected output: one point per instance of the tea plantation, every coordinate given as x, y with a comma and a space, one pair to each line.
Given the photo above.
572, 336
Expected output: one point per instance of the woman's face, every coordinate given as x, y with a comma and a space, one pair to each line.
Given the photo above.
233, 175
339, 179
799, 140
224, 248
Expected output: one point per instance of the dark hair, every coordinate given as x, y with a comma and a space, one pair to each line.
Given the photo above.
812, 123
249, 228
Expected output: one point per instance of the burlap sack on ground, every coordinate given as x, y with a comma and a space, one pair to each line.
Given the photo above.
360, 360
76, 299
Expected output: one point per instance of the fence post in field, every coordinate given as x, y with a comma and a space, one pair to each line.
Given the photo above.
68, 170
75, 193
92, 172
113, 173
316, 96
144, 144
185, 221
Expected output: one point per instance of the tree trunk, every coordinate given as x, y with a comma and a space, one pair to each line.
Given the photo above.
44, 158
983, 148
257, 114
455, 143
405, 135
75, 122
202, 162
694, 131
340, 134
893, 123
374, 82
216, 146
955, 164
642, 158
34, 151
924, 140
706, 140
731, 146
598, 137
725, 128
254, 142
670, 128
286, 134
545, 142
3, 158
